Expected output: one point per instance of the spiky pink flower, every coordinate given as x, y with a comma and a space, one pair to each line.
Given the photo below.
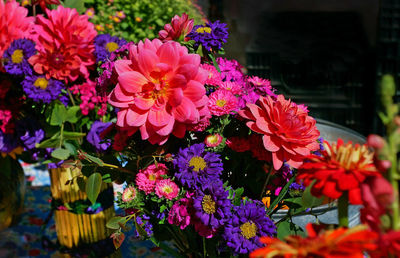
129, 194
179, 28
213, 140
167, 188
222, 102
160, 90
261, 86
214, 77
233, 87
14, 23
65, 44
146, 179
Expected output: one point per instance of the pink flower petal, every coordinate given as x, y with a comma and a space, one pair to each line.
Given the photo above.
132, 81
269, 143
133, 118
194, 91
122, 66
159, 117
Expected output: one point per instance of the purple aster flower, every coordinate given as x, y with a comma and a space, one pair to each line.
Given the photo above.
211, 204
94, 136
105, 44
211, 36
193, 163
8, 142
29, 132
38, 88
248, 223
144, 222
16, 57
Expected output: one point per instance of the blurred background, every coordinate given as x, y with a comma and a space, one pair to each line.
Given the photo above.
328, 54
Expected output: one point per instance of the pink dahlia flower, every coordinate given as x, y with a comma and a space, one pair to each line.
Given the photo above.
14, 23
160, 90
167, 188
146, 179
65, 44
222, 102
179, 28
288, 132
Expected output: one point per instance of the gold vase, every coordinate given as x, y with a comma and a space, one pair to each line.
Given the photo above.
74, 230
12, 191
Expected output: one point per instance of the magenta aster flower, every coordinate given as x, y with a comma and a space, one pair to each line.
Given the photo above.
233, 87
213, 140
179, 214
261, 86
166, 188
214, 77
231, 70
146, 179
222, 102
129, 194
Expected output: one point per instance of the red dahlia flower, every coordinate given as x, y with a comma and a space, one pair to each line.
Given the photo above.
338, 243
14, 23
160, 90
65, 44
179, 27
289, 133
341, 168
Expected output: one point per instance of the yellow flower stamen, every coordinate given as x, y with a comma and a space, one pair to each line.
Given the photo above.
208, 204
221, 102
198, 163
111, 46
249, 230
41, 83
17, 56
203, 30
167, 189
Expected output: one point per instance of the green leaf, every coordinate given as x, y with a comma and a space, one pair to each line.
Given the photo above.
92, 159
60, 153
280, 196
81, 183
72, 135
283, 229
113, 223
58, 115
308, 200
214, 62
70, 147
140, 230
72, 115
93, 186
76, 4
49, 143
118, 239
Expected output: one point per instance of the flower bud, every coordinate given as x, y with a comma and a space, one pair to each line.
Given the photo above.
375, 141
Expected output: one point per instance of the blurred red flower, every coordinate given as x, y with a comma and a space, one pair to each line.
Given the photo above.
43, 3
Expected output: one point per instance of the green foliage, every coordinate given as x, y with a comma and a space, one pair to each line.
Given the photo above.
79, 5
144, 18
93, 186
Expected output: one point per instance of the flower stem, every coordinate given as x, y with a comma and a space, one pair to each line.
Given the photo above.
266, 181
343, 208
204, 248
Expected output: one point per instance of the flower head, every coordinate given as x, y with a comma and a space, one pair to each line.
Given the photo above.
211, 36
160, 90
288, 132
43, 3
222, 102
178, 29
261, 86
341, 242
238, 144
211, 204
129, 194
106, 44
248, 223
233, 87
14, 23
193, 163
179, 214
29, 132
214, 77
89, 98
231, 70
39, 88
213, 140
16, 57
120, 14
341, 168
94, 138
146, 179
65, 44
166, 188
90, 13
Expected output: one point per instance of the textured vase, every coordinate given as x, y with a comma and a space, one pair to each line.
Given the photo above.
12, 191
77, 230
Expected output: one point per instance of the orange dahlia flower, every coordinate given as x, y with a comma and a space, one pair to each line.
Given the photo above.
65, 44
289, 133
160, 90
14, 23
342, 167
341, 242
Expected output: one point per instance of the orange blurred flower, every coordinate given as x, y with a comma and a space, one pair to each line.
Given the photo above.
341, 242
342, 167
138, 19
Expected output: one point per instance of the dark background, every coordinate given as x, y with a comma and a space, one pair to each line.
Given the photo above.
328, 54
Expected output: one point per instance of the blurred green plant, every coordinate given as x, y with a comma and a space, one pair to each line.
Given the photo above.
138, 19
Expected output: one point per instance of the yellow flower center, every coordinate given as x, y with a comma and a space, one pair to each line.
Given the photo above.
111, 46
198, 163
210, 75
129, 194
208, 204
41, 83
17, 56
350, 157
167, 189
221, 102
212, 138
152, 177
249, 230
203, 30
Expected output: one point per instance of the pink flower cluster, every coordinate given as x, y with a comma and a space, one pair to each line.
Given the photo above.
5, 117
179, 214
89, 97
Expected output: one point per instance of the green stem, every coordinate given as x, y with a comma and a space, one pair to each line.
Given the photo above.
61, 134
266, 181
343, 207
392, 177
204, 248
